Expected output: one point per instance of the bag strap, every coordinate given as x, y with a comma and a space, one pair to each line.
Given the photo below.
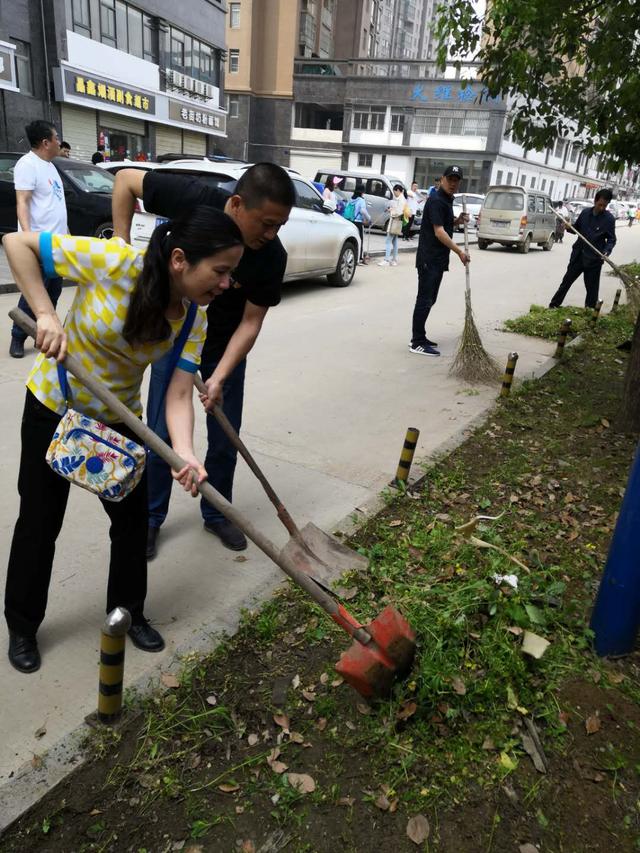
175, 352
64, 384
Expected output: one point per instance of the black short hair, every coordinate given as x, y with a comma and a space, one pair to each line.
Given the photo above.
64, 144
398, 187
39, 131
605, 192
266, 182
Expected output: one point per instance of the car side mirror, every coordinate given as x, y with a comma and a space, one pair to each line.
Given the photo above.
328, 206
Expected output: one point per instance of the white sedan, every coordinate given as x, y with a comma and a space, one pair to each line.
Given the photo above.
318, 241
473, 203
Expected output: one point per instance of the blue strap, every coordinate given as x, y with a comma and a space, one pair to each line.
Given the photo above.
64, 385
175, 353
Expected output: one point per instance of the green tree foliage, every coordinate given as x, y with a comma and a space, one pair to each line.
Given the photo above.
573, 67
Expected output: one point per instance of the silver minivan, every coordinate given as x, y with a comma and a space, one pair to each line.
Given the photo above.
377, 192
515, 216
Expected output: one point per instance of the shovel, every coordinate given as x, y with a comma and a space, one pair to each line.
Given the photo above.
382, 651
313, 551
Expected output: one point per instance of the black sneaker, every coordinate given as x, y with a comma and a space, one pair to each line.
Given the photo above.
152, 542
16, 348
230, 536
23, 652
423, 349
144, 637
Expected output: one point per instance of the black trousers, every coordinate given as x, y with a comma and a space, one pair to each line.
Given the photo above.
575, 269
429, 280
406, 229
43, 500
360, 227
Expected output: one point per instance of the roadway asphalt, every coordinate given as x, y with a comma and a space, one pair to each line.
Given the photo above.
331, 389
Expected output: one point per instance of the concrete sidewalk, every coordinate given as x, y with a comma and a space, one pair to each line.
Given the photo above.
331, 389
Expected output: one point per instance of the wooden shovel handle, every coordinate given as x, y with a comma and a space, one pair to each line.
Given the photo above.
243, 450
213, 497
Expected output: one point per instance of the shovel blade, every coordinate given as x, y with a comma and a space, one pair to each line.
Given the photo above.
321, 556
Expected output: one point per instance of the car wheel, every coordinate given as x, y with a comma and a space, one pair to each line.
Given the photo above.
524, 247
548, 246
343, 276
483, 244
104, 231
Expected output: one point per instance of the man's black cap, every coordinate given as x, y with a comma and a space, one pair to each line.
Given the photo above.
453, 172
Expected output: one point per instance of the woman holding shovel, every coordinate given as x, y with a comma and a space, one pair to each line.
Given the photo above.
128, 311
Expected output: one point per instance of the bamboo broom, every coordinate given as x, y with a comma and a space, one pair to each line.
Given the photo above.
472, 361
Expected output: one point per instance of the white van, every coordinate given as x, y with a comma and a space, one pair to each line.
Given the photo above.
515, 216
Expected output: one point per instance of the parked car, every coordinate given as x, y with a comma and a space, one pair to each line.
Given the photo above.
473, 203
514, 216
317, 240
377, 192
87, 192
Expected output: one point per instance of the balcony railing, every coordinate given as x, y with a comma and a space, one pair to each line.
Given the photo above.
405, 68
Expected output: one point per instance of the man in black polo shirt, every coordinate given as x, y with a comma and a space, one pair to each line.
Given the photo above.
432, 258
599, 227
260, 205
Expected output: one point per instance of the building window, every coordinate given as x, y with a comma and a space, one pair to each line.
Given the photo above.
233, 106
78, 16
369, 118
499, 177
532, 183
559, 149
543, 184
397, 122
523, 180
118, 25
134, 25
551, 188
365, 160
148, 39
234, 61
234, 15
509, 178
573, 154
108, 22
23, 67
452, 122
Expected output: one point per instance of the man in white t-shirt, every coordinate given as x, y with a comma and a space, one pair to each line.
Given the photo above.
40, 205
413, 197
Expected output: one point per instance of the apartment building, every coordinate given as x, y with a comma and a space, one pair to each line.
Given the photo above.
141, 78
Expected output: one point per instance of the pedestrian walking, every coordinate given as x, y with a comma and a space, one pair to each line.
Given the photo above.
40, 206
65, 149
432, 258
361, 218
128, 310
329, 194
598, 226
395, 209
259, 205
412, 204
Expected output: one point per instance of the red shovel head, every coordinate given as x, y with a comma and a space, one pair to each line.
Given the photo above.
372, 669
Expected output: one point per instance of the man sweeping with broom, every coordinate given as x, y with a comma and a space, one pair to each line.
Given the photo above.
432, 258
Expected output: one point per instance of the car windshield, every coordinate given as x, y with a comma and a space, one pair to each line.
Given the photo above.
89, 179
504, 201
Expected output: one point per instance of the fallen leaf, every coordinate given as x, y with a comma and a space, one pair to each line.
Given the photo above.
458, 685
309, 695
36, 762
337, 681
515, 630
295, 681
507, 762
324, 678
248, 847
592, 724
615, 677
169, 680
407, 710
278, 766
240, 559
253, 739
363, 709
283, 721
418, 829
488, 743
350, 726
564, 718
347, 593
296, 737
528, 848
393, 806
229, 787
346, 801
41, 732
382, 803
397, 522
302, 782
195, 761
94, 812
605, 423
534, 644
321, 724
513, 499
211, 700
239, 809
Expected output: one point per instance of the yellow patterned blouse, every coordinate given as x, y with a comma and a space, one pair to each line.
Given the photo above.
106, 272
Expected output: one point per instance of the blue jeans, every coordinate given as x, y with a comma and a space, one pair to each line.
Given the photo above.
220, 461
54, 288
391, 245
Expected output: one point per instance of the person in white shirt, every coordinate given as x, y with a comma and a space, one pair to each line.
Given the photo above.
40, 206
395, 209
413, 197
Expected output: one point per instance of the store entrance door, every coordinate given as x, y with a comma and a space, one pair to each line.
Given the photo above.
120, 145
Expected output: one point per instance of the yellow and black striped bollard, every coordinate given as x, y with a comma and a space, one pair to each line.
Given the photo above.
596, 312
112, 640
406, 457
565, 328
616, 299
509, 370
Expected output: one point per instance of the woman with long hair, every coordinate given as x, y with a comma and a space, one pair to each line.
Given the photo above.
128, 310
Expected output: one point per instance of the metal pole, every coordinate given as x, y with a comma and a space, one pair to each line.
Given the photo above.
565, 328
406, 456
616, 300
112, 643
616, 614
509, 370
596, 312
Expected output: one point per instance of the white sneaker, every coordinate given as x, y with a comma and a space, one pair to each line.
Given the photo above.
383, 263
394, 263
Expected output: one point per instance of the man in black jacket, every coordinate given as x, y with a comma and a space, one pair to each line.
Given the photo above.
598, 226
259, 205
